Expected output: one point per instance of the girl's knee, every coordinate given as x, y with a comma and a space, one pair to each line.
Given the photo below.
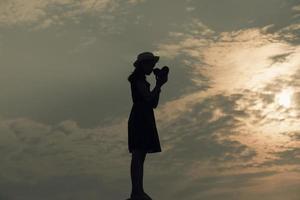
139, 151
141, 154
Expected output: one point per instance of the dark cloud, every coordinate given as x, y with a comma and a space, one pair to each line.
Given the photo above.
63, 187
235, 14
281, 58
207, 187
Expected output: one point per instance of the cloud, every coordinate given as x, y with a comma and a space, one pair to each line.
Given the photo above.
63, 187
251, 66
240, 57
228, 61
229, 139
213, 153
197, 152
136, 1
34, 153
33, 149
296, 8
43, 13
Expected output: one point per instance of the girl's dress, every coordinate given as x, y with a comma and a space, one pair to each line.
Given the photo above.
142, 131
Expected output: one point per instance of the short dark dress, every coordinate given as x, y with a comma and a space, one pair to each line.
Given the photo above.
142, 131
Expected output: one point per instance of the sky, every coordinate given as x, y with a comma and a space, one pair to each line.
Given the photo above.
228, 117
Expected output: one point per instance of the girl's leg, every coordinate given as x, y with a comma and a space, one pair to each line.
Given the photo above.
143, 155
137, 170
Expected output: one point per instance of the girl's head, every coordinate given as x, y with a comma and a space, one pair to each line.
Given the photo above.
146, 62
144, 65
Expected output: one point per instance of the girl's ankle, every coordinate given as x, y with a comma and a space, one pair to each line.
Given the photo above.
137, 192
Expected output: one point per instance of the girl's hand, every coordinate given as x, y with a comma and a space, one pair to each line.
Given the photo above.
161, 80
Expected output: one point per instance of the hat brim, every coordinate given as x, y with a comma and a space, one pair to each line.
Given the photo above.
155, 59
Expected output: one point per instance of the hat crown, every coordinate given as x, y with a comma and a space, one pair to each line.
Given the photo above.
145, 56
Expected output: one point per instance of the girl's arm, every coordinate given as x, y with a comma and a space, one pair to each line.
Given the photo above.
152, 97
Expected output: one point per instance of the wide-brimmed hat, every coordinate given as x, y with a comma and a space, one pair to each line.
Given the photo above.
145, 56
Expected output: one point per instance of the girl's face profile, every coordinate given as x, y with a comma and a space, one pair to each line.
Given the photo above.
148, 67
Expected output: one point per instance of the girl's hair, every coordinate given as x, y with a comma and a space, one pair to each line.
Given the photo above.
136, 73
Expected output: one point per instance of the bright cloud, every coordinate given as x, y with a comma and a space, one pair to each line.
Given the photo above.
44, 13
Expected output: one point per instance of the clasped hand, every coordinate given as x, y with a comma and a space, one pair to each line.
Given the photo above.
161, 80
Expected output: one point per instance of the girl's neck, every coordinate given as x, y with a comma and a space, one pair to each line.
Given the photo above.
140, 73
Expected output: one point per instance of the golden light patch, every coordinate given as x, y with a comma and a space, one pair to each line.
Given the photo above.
284, 98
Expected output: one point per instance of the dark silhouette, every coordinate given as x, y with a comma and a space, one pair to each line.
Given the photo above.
142, 132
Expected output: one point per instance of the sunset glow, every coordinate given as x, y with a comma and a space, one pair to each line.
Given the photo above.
284, 98
228, 118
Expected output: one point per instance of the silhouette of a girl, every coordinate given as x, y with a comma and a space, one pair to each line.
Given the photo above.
142, 132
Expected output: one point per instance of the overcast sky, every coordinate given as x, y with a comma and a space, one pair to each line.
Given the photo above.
228, 118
